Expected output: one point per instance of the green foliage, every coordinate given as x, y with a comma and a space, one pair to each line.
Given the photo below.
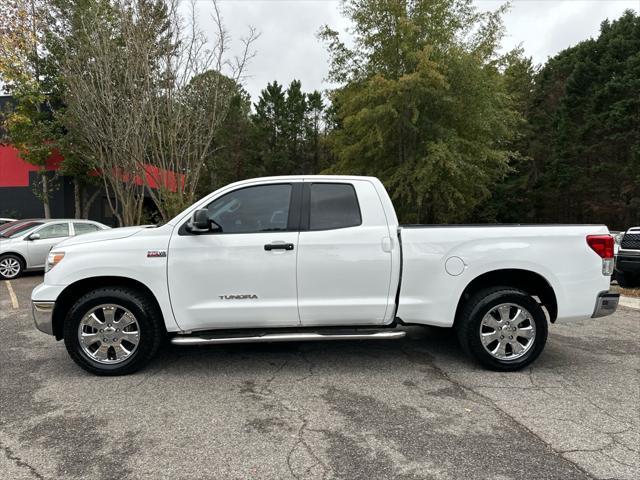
580, 146
455, 131
288, 126
25, 69
232, 156
425, 106
270, 121
284, 135
31, 52
511, 201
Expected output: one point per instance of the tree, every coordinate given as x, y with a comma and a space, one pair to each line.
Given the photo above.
424, 106
107, 103
270, 121
294, 125
584, 132
31, 125
199, 82
288, 127
63, 35
513, 198
234, 157
314, 123
147, 96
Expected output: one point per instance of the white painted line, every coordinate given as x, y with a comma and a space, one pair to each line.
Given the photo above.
12, 294
629, 302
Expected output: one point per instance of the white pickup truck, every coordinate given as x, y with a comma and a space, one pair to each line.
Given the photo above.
316, 258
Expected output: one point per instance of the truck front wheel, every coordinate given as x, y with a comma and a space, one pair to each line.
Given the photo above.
503, 328
113, 331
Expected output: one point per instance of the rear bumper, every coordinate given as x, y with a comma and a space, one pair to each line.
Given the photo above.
42, 313
606, 304
628, 263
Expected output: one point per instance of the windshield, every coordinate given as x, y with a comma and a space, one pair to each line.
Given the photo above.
18, 230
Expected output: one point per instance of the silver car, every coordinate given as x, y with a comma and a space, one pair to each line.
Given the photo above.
24, 245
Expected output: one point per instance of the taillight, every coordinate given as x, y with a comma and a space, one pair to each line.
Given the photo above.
603, 246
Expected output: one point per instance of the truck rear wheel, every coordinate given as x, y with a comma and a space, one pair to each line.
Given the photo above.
505, 329
113, 331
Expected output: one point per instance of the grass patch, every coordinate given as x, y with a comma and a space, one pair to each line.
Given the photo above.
627, 292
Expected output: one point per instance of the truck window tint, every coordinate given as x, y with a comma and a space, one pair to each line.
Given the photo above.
333, 205
81, 228
263, 208
54, 231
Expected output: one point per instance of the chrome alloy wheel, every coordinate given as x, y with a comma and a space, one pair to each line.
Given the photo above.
507, 331
109, 334
9, 267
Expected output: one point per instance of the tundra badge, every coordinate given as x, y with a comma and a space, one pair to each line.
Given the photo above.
238, 297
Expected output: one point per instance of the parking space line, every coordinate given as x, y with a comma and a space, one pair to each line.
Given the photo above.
12, 295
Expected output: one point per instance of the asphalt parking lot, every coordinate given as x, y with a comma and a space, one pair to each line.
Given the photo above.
408, 409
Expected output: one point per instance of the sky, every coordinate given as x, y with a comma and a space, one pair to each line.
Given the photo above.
288, 47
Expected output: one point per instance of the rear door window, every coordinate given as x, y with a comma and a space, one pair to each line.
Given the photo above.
333, 205
81, 228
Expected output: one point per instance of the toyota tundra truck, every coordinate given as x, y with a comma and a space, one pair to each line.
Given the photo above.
305, 258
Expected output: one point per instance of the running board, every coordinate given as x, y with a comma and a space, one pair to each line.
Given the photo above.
287, 337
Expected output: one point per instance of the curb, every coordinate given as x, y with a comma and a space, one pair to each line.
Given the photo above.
629, 302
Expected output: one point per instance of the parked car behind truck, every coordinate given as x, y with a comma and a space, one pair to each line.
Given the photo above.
317, 258
24, 245
628, 259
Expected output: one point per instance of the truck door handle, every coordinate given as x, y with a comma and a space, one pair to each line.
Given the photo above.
278, 246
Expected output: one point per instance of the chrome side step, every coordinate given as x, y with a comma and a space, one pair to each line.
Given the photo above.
288, 337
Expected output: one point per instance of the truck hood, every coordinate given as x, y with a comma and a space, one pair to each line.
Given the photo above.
102, 235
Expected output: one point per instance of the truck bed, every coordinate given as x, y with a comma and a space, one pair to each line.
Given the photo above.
440, 261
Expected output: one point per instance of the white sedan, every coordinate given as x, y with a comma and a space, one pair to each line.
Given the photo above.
24, 245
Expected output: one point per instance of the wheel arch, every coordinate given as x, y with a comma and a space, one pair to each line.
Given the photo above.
72, 292
16, 254
531, 282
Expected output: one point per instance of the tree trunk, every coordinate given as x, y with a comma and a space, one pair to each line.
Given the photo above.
77, 198
88, 202
45, 195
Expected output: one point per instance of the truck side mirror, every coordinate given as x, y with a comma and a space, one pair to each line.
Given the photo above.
200, 222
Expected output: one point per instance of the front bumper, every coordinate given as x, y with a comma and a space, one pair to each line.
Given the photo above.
606, 304
42, 313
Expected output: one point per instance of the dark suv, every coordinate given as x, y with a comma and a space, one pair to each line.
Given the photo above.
628, 259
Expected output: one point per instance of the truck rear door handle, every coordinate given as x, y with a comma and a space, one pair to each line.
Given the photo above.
278, 246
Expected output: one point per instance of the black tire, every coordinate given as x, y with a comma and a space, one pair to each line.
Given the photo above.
149, 320
16, 258
478, 305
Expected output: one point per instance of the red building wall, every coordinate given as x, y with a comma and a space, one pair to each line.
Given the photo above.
14, 172
17, 198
